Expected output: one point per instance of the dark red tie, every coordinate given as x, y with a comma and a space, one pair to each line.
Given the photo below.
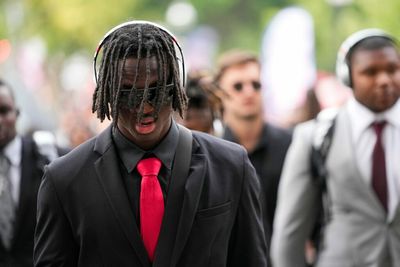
379, 180
151, 203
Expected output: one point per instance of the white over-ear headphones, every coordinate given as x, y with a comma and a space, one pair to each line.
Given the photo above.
342, 64
178, 48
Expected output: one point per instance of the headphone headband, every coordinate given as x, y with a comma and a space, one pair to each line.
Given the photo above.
178, 48
342, 66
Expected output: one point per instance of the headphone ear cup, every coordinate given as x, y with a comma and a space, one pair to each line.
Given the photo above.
343, 70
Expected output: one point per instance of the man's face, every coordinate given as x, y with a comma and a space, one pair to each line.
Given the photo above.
376, 77
8, 117
149, 131
241, 84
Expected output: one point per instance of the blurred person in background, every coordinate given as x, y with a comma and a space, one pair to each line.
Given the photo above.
238, 78
204, 108
21, 170
147, 191
361, 171
308, 111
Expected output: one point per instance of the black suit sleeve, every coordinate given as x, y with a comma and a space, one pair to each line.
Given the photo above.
247, 244
54, 244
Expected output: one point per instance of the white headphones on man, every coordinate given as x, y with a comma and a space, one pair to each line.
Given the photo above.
342, 64
178, 48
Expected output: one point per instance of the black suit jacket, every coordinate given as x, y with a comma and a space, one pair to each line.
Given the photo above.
85, 219
20, 254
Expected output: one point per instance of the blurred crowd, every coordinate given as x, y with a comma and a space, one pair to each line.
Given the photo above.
227, 101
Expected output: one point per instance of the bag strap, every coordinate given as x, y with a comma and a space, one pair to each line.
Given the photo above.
180, 171
322, 140
321, 143
183, 153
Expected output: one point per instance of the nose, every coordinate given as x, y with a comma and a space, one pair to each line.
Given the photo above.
248, 88
383, 79
146, 109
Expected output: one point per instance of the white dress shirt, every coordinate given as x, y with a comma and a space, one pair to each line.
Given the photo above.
13, 152
364, 138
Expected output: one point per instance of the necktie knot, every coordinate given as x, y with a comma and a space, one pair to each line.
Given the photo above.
149, 166
378, 127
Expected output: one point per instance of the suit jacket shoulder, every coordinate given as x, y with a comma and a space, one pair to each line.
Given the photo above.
70, 164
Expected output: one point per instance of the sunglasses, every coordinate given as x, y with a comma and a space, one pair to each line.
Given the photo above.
238, 86
132, 97
5, 111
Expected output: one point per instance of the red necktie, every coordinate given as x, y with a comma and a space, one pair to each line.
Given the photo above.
151, 203
379, 181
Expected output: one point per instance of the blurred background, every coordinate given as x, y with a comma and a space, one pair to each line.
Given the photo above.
46, 49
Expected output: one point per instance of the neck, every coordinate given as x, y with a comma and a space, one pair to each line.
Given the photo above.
247, 131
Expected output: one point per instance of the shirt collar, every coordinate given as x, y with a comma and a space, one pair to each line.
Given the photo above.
392, 115
13, 151
130, 153
361, 117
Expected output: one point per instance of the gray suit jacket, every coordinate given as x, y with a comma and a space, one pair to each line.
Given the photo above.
358, 233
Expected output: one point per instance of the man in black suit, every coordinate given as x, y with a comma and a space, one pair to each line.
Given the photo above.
22, 175
238, 77
91, 203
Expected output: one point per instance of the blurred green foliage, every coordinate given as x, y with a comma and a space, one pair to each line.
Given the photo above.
73, 25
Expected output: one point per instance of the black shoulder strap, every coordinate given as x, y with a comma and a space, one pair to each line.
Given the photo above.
322, 139
183, 153
180, 170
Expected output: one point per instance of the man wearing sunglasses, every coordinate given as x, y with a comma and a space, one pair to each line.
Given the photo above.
238, 78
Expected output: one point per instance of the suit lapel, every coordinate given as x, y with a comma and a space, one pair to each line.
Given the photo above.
109, 176
182, 201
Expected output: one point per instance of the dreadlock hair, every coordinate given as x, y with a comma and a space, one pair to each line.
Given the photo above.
140, 41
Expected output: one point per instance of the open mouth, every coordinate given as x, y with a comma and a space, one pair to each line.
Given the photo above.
146, 125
